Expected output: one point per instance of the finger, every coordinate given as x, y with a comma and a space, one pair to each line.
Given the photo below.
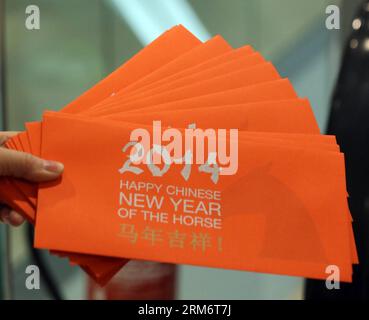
5, 135
26, 166
11, 217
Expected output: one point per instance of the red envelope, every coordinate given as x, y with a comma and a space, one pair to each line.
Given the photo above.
259, 238
179, 81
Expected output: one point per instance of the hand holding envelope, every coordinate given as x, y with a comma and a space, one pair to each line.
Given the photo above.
278, 206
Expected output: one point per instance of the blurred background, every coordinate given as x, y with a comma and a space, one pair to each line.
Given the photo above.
81, 41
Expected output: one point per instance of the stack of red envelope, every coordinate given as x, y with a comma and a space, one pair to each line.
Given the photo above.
269, 195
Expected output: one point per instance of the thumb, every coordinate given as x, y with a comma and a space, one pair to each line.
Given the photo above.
26, 166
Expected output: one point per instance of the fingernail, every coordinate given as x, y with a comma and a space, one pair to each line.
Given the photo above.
53, 166
15, 219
